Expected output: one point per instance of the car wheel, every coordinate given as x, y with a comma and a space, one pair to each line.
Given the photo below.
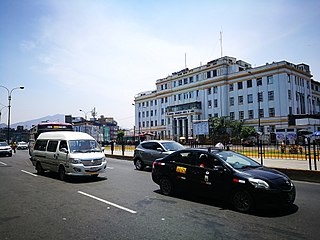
139, 164
62, 173
94, 176
242, 200
39, 168
166, 186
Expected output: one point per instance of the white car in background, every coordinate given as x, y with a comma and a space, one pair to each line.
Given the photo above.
22, 145
5, 149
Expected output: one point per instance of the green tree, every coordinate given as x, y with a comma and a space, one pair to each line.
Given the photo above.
120, 135
223, 130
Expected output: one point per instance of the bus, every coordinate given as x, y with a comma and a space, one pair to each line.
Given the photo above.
36, 130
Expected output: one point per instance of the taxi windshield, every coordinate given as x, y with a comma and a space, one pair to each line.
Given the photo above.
84, 146
236, 160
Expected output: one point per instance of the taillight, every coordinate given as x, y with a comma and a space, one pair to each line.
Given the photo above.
157, 163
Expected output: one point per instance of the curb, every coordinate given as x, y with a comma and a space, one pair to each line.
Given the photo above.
293, 174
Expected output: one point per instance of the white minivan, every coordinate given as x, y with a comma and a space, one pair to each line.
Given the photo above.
68, 153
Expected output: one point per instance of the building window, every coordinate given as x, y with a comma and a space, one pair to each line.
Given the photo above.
269, 80
151, 113
215, 89
215, 115
260, 97
240, 100
215, 103
231, 100
259, 81
185, 81
209, 74
250, 98
241, 115
289, 95
180, 82
230, 87
249, 83
197, 93
231, 115
250, 114
240, 86
209, 104
191, 79
271, 112
271, 95
209, 91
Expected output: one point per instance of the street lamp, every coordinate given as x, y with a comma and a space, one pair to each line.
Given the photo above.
85, 116
259, 120
9, 107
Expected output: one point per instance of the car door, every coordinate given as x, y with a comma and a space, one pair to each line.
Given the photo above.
181, 164
210, 175
62, 154
51, 155
151, 152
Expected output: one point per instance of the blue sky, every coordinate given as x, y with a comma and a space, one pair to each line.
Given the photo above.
81, 54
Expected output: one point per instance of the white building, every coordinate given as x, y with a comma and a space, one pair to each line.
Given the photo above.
230, 87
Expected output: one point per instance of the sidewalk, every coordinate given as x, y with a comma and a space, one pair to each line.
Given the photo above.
271, 162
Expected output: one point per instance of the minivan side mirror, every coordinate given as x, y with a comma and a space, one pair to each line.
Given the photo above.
64, 150
159, 149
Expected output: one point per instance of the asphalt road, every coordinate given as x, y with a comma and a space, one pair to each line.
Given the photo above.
124, 203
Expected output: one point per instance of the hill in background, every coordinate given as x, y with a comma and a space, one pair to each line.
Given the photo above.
30, 123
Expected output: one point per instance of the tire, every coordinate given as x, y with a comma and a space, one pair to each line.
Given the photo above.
139, 164
94, 176
166, 186
39, 169
242, 200
62, 173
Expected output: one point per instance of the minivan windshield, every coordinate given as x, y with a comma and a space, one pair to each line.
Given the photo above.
172, 146
237, 160
84, 146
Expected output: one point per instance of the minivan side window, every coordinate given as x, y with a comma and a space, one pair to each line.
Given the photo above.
52, 146
63, 144
40, 145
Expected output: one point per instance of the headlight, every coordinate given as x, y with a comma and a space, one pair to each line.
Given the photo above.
75, 160
104, 159
258, 183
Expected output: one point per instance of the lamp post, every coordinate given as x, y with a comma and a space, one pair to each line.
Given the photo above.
259, 121
85, 116
9, 107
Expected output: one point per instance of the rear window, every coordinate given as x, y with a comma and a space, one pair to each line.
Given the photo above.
40, 145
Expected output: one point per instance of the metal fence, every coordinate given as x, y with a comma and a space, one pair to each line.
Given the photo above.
309, 152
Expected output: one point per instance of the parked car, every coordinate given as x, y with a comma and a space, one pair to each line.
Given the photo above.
148, 151
22, 145
225, 175
5, 149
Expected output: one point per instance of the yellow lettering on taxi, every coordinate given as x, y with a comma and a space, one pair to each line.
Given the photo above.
181, 170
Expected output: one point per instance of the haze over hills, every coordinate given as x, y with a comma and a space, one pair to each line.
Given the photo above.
30, 123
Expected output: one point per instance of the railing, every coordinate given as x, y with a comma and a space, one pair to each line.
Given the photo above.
309, 152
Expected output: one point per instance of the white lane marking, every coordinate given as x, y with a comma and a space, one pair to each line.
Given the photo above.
4, 164
107, 202
29, 173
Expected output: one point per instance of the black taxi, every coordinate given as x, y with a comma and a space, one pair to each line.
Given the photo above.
225, 175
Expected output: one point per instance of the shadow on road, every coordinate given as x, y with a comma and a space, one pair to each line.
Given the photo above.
266, 212
75, 179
